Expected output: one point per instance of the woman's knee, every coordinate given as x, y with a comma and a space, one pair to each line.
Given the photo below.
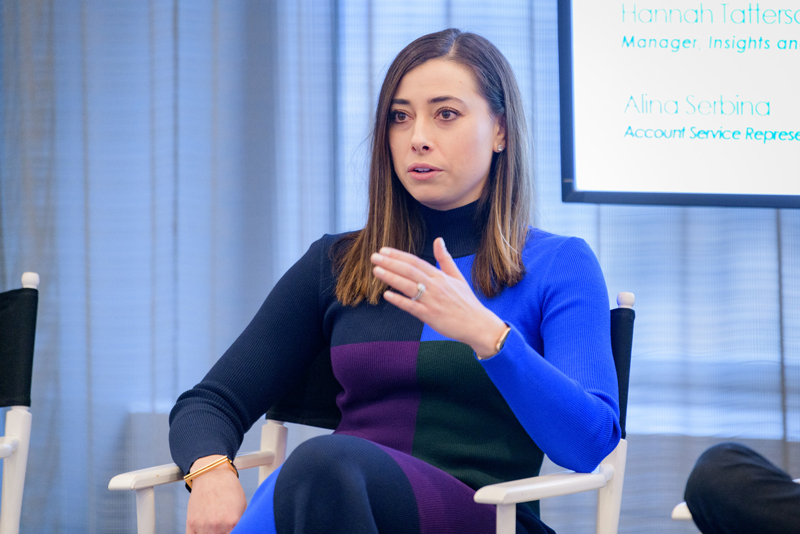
341, 483
328, 455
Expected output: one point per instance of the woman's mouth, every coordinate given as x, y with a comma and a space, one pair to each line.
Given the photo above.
423, 172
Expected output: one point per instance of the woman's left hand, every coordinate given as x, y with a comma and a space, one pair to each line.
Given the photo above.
448, 304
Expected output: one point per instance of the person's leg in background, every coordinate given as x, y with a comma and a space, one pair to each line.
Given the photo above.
734, 490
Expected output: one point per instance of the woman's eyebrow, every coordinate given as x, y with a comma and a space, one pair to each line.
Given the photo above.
439, 99
434, 100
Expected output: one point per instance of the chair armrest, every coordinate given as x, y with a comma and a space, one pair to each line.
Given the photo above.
253, 459
8, 446
146, 478
164, 474
681, 513
541, 487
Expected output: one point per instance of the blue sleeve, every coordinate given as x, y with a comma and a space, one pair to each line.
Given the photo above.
256, 371
566, 398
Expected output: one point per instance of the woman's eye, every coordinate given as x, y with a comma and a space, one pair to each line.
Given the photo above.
399, 116
448, 114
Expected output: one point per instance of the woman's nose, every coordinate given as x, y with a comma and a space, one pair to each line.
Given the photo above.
420, 139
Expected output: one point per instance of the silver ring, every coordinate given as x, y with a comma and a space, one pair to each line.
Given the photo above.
420, 291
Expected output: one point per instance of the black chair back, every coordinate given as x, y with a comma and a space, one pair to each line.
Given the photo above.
17, 331
621, 343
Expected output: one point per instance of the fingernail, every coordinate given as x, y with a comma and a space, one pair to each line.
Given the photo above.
443, 245
377, 258
386, 251
379, 271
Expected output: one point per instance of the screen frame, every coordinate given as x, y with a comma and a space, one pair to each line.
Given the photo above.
569, 193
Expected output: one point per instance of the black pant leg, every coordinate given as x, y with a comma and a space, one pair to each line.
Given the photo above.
343, 485
734, 490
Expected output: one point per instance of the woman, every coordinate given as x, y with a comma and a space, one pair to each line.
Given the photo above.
465, 342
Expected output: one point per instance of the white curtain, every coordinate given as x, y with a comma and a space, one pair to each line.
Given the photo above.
163, 162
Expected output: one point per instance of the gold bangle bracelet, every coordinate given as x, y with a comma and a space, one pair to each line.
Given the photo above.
499, 345
502, 341
224, 460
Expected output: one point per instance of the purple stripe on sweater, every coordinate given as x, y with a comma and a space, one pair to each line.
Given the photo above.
380, 397
444, 503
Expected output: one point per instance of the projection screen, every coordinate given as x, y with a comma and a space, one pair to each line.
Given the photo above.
680, 102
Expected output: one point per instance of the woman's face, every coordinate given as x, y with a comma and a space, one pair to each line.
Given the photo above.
442, 135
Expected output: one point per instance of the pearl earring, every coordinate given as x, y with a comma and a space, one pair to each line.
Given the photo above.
500, 148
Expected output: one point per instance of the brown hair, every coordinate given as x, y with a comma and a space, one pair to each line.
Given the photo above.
393, 219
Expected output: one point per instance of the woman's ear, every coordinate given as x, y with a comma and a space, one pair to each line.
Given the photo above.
500, 134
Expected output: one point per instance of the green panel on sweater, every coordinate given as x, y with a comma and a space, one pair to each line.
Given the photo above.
459, 399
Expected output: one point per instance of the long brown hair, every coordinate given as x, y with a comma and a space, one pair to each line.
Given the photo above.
393, 219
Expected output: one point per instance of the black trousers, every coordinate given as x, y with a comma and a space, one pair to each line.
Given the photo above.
342, 484
733, 489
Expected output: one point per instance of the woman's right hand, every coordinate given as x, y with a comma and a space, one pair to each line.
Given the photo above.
217, 500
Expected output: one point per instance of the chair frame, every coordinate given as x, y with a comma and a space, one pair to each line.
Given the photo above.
14, 447
607, 479
271, 455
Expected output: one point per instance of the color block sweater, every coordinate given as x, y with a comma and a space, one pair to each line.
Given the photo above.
552, 388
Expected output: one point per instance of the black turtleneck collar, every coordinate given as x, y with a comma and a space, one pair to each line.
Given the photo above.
461, 228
